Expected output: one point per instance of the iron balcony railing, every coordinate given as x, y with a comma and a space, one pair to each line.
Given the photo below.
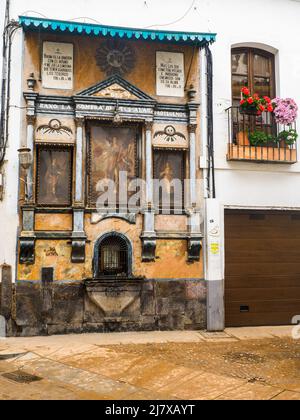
253, 137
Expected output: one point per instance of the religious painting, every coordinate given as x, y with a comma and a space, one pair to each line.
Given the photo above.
113, 150
169, 174
54, 178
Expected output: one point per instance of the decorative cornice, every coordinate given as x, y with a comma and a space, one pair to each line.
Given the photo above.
78, 28
104, 108
30, 96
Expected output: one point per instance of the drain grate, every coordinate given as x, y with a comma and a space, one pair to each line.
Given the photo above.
10, 356
21, 377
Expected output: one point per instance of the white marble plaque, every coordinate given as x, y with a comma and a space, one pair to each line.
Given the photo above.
57, 65
170, 78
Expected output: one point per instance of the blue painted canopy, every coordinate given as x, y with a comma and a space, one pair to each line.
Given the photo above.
77, 28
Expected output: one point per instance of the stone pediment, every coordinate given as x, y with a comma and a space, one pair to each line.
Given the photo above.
116, 88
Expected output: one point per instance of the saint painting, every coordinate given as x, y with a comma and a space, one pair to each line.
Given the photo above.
54, 176
112, 150
169, 178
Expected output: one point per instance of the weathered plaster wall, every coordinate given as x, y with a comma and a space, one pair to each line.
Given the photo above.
172, 255
171, 259
87, 73
54, 222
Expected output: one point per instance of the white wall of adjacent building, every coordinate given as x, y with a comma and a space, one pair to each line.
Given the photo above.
9, 219
271, 24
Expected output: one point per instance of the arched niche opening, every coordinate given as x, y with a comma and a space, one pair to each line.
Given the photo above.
113, 256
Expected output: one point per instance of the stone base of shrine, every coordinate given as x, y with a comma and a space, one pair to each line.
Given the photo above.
94, 306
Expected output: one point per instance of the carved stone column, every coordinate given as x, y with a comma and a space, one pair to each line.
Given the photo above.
27, 237
30, 144
79, 162
193, 173
149, 164
149, 235
78, 235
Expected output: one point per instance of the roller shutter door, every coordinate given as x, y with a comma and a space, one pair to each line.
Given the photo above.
262, 271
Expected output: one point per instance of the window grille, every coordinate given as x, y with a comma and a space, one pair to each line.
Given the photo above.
113, 257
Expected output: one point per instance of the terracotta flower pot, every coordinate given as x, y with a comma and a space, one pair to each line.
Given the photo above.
242, 138
283, 144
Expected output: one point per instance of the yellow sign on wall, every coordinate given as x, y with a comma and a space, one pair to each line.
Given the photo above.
215, 248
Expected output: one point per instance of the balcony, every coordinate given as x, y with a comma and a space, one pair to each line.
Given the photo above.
257, 138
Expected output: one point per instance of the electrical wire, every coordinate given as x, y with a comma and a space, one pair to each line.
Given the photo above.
33, 11
100, 23
210, 123
175, 21
8, 35
25, 13
86, 18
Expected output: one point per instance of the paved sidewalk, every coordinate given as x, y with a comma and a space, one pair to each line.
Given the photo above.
241, 363
250, 333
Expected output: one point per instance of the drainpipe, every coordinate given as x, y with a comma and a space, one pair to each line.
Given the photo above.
204, 162
210, 122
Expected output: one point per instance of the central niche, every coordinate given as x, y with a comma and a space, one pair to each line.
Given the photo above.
113, 257
112, 150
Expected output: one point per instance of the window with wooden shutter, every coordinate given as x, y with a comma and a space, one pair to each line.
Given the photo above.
255, 69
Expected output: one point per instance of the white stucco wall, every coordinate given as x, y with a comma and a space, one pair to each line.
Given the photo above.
250, 184
274, 23
9, 219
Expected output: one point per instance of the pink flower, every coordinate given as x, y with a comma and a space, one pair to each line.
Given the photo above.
285, 110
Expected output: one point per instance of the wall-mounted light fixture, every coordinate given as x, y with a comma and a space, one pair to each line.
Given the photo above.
31, 82
192, 92
25, 157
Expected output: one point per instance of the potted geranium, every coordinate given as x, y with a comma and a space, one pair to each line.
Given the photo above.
285, 114
254, 104
288, 137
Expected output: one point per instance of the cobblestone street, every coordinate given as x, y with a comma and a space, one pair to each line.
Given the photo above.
246, 363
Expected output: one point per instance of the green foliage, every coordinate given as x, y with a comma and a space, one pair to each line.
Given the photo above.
289, 136
259, 138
